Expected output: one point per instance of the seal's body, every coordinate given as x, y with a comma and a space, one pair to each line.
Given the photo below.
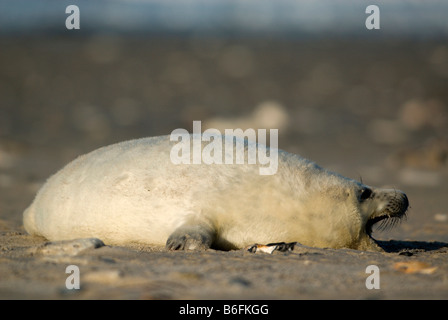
131, 192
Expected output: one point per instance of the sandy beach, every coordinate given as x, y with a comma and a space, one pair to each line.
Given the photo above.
370, 110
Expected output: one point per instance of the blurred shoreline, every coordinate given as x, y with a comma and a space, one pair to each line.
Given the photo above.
228, 18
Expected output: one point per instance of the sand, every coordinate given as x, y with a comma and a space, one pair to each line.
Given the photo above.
376, 111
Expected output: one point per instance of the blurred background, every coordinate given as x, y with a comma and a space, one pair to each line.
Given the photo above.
369, 104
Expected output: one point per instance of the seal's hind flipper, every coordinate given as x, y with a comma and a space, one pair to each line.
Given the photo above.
271, 247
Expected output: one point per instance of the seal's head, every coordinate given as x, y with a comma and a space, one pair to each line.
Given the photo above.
387, 206
338, 212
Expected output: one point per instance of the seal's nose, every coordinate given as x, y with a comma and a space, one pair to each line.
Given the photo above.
401, 203
405, 201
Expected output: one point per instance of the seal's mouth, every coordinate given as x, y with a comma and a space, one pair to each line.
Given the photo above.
391, 215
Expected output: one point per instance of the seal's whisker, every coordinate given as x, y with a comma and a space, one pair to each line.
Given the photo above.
389, 223
382, 225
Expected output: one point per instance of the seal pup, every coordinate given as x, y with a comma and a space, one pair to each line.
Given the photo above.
130, 192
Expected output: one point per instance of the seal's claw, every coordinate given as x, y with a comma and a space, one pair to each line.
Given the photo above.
185, 242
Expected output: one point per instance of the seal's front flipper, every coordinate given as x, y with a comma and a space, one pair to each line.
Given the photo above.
271, 247
191, 237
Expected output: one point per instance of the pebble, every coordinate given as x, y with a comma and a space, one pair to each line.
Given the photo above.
69, 247
441, 217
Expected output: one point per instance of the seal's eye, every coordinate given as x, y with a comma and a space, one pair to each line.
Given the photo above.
365, 194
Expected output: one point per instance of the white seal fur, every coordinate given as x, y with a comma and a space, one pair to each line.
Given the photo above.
131, 192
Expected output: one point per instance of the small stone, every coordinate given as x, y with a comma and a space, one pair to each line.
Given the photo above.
441, 217
69, 247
